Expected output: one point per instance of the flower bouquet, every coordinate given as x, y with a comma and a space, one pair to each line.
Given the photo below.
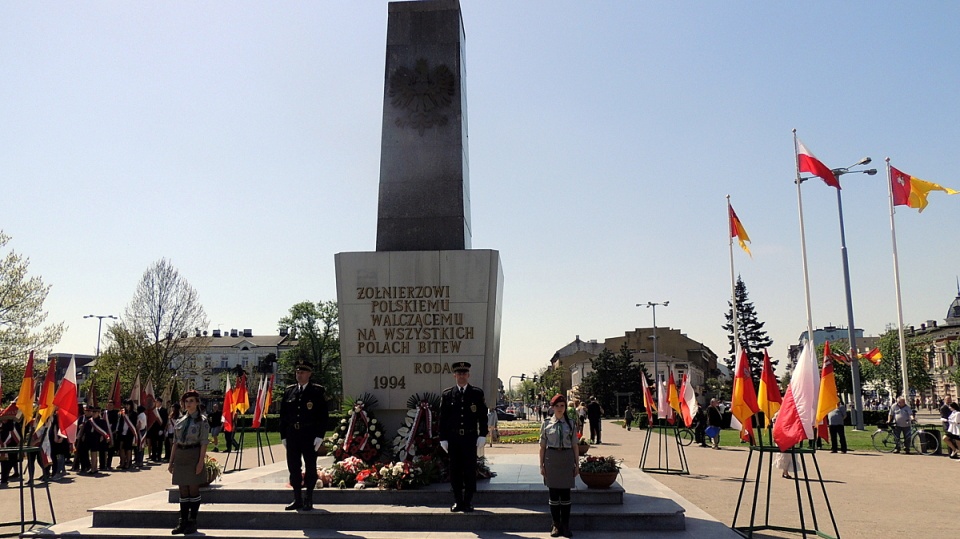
212, 468
608, 464
345, 473
398, 475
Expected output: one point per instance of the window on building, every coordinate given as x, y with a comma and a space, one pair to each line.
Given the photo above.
206, 383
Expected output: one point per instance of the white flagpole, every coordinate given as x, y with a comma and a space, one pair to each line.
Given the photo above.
896, 282
803, 241
733, 288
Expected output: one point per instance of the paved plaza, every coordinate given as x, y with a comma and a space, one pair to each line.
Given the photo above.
872, 494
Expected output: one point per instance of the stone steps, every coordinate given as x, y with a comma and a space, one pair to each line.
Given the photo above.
250, 504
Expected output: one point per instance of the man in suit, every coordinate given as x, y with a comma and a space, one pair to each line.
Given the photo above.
303, 421
463, 430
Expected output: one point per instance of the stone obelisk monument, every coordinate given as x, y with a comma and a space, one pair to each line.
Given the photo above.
424, 300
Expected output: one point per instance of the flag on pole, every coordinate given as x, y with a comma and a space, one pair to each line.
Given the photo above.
737, 230
743, 401
672, 394
797, 417
827, 401
27, 392
228, 408
768, 398
136, 394
911, 191
648, 402
168, 392
261, 396
241, 399
47, 391
150, 403
66, 402
809, 163
664, 411
115, 395
873, 356
92, 393
688, 400
269, 398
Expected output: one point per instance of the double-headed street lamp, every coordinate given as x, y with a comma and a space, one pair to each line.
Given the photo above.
100, 326
653, 305
851, 327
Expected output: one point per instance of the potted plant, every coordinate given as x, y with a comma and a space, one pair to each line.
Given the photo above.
213, 470
599, 472
583, 446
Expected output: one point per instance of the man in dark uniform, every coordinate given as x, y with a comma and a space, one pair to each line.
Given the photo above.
463, 430
303, 421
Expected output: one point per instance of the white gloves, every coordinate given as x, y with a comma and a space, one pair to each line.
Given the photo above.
445, 445
284, 442
317, 443
481, 441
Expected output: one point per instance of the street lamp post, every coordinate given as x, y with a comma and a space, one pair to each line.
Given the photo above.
656, 371
851, 327
100, 317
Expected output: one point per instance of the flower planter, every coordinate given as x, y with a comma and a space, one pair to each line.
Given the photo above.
598, 479
583, 449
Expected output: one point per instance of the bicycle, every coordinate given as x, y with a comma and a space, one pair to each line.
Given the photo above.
923, 442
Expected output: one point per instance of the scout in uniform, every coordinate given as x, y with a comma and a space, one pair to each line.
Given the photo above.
187, 459
463, 430
303, 421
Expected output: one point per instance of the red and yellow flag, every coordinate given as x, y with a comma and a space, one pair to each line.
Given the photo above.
737, 230
743, 401
911, 191
828, 400
648, 402
673, 396
768, 398
873, 356
47, 391
241, 398
27, 392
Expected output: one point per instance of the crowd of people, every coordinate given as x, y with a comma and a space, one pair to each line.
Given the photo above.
108, 439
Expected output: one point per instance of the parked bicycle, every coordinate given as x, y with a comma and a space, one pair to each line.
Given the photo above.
918, 439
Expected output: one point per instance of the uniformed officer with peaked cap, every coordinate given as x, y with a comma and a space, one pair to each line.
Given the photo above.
303, 421
463, 430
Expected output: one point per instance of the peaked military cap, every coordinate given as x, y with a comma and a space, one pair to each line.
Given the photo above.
460, 366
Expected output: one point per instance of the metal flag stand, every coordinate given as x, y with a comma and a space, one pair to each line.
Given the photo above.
238, 461
801, 481
261, 458
664, 434
18, 452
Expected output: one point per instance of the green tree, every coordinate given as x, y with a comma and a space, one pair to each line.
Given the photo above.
317, 327
21, 318
753, 338
157, 324
888, 371
613, 374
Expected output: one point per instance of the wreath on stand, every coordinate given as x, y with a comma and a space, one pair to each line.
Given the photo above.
418, 440
359, 435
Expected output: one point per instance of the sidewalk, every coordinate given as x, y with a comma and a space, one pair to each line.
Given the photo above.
872, 494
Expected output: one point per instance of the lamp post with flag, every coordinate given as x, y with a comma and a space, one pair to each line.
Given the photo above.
851, 327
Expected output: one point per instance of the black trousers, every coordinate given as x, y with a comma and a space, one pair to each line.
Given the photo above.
595, 430
463, 467
300, 453
837, 431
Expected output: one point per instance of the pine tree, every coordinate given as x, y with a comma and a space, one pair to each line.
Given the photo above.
753, 338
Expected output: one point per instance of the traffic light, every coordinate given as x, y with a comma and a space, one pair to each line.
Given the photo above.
523, 377
534, 378
531, 394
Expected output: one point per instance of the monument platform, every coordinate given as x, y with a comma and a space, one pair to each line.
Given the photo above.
512, 504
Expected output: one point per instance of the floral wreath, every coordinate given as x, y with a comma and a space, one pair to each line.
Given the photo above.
359, 434
420, 433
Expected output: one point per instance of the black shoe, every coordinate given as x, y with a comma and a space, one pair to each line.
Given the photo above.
456, 508
834, 451
191, 527
467, 508
308, 501
181, 527
555, 532
297, 504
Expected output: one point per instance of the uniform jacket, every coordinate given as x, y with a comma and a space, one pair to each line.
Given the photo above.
304, 413
462, 416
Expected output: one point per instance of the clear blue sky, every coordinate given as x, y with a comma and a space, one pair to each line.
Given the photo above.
242, 141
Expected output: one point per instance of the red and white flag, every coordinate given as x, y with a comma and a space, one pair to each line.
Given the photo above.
66, 402
688, 400
809, 163
258, 409
150, 403
228, 408
136, 395
797, 418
